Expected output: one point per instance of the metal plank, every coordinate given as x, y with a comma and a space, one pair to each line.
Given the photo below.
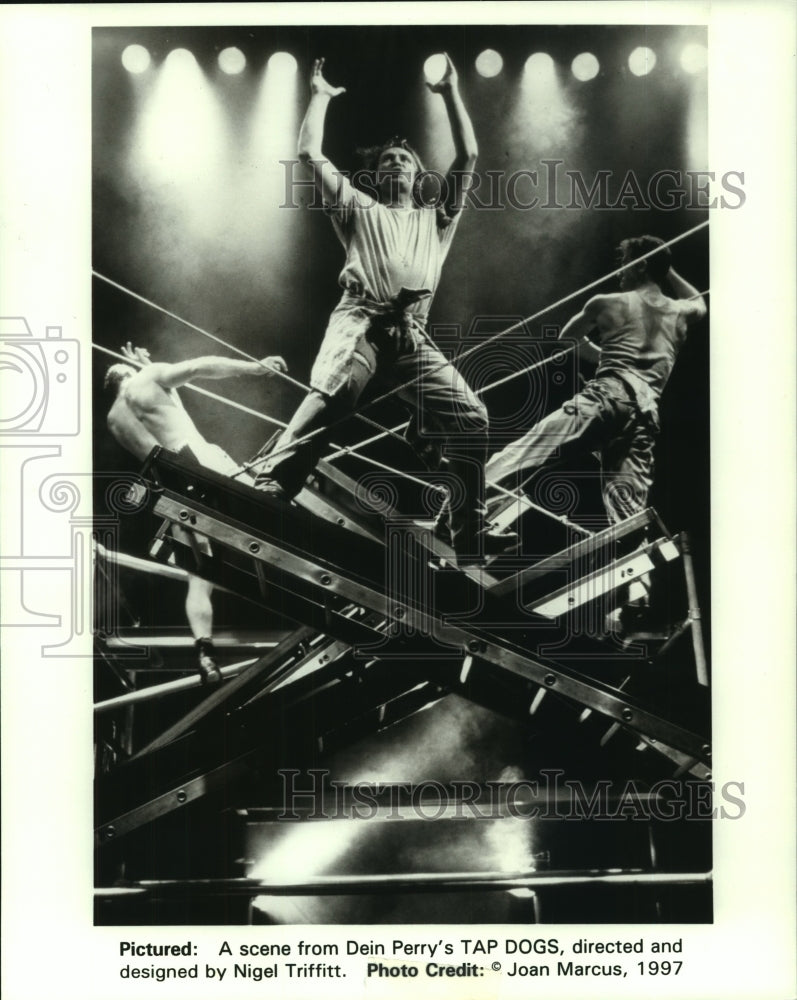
622, 571
420, 530
241, 687
176, 798
550, 675
327, 509
338, 885
576, 553
216, 775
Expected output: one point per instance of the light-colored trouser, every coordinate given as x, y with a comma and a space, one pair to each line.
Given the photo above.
448, 416
602, 418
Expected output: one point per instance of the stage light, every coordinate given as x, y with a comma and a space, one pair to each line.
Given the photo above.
539, 68
694, 58
269, 232
435, 127
179, 59
641, 61
282, 63
135, 59
585, 67
231, 60
541, 118
509, 841
305, 850
275, 122
489, 63
180, 133
435, 67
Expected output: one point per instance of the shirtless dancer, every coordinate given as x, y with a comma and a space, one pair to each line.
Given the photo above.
147, 411
640, 331
395, 248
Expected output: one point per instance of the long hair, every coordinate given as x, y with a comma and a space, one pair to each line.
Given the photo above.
370, 157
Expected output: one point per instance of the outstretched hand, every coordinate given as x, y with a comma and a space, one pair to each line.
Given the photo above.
274, 364
318, 85
139, 355
448, 80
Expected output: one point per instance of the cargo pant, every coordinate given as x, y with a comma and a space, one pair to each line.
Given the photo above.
448, 418
604, 418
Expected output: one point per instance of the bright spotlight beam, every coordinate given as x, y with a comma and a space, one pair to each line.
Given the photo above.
232, 61
539, 68
489, 63
694, 58
282, 63
181, 60
585, 67
434, 68
541, 113
179, 132
641, 61
135, 59
275, 124
274, 128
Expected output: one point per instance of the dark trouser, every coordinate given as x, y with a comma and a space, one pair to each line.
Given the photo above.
447, 413
603, 417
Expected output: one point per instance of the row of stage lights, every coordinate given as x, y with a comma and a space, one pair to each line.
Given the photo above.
489, 63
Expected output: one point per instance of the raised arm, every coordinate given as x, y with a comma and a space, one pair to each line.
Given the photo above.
579, 327
588, 319
465, 145
172, 376
311, 136
693, 305
138, 355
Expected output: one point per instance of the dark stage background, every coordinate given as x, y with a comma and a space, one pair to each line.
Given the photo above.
192, 220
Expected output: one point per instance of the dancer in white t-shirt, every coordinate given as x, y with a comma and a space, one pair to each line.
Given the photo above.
395, 248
